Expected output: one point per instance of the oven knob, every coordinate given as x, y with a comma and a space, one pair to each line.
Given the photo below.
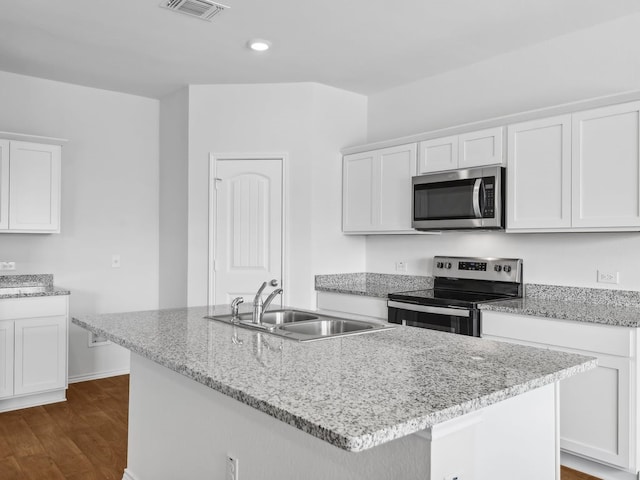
448, 265
497, 268
439, 264
507, 268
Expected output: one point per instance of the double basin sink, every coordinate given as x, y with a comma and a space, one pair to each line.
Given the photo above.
302, 326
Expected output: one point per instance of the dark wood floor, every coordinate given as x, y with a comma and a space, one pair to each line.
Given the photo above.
569, 474
84, 438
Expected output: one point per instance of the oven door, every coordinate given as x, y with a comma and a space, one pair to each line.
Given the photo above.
445, 319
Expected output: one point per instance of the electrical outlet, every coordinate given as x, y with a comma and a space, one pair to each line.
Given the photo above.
7, 265
232, 468
115, 260
606, 276
401, 266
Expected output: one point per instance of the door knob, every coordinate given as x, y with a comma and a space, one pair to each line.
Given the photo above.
273, 283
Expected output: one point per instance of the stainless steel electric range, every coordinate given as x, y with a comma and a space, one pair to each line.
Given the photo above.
460, 284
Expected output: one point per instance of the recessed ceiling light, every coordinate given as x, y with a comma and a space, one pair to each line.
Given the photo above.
259, 45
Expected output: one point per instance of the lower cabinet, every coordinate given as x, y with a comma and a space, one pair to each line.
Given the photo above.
33, 359
368, 308
598, 408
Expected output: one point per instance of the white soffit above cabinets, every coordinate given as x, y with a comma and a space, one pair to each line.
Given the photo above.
363, 46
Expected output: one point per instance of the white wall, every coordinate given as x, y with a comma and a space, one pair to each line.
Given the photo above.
308, 122
174, 150
598, 61
109, 203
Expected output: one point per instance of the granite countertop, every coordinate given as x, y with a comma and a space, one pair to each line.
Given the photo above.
371, 284
589, 305
353, 392
19, 286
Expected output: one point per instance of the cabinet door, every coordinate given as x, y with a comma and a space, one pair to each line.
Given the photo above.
6, 359
438, 154
4, 184
358, 172
40, 354
606, 167
484, 147
34, 191
397, 166
595, 412
539, 174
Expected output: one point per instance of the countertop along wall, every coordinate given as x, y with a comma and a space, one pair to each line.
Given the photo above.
109, 204
598, 61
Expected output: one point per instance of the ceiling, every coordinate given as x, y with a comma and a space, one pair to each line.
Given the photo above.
364, 46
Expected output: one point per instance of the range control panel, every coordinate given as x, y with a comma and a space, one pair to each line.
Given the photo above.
490, 268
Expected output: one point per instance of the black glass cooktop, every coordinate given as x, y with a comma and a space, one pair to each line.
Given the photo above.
446, 297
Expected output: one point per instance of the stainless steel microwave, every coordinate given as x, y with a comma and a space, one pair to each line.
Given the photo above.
459, 199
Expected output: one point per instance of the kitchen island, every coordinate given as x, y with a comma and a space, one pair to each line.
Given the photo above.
402, 403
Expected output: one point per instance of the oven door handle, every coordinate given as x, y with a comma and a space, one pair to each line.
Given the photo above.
428, 309
477, 190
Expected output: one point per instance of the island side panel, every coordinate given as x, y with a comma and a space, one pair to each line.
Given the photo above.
179, 428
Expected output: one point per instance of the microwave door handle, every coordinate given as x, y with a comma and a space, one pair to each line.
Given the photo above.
476, 198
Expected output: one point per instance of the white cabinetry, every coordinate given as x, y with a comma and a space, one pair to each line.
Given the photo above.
473, 149
6, 359
577, 172
597, 408
372, 308
539, 174
377, 190
33, 360
30, 179
606, 167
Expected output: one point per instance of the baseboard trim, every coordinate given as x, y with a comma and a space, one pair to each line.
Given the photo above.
595, 469
128, 475
98, 376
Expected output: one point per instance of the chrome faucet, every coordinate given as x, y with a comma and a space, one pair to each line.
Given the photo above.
259, 306
234, 306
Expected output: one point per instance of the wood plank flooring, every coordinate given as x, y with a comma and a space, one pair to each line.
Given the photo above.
84, 438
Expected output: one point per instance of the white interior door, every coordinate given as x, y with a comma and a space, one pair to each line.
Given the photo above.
247, 227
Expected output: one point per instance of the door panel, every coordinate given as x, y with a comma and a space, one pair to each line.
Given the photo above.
606, 167
40, 354
6, 359
4, 184
247, 227
34, 192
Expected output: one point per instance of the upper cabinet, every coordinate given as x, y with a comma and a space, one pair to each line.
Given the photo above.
30, 177
474, 149
578, 172
606, 167
376, 190
539, 174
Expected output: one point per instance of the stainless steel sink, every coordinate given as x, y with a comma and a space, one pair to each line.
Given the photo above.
272, 317
302, 326
326, 327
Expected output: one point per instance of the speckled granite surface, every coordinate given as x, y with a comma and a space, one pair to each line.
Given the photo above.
18, 286
353, 392
371, 284
590, 305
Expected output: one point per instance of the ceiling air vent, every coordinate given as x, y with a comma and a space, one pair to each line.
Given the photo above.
196, 8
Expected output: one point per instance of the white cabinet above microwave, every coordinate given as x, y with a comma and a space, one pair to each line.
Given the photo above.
473, 149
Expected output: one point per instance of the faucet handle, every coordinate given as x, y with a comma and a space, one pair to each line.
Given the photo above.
234, 305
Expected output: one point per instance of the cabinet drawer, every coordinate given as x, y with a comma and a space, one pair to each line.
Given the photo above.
32, 307
355, 304
610, 340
